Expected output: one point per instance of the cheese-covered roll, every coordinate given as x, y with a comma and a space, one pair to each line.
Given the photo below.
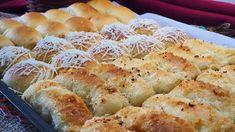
144, 26
10, 55
203, 117
171, 35
52, 28
50, 46
82, 10
141, 45
80, 24
123, 14
57, 15
56, 104
100, 5
7, 23
32, 19
23, 36
116, 31
27, 72
5, 42
103, 19
108, 50
83, 40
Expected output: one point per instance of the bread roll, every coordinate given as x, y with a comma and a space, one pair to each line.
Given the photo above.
102, 19
80, 24
52, 28
116, 31
83, 40
5, 42
144, 26
50, 46
122, 13
57, 15
23, 36
100, 5
108, 50
82, 10
27, 72
7, 23
64, 109
32, 19
202, 117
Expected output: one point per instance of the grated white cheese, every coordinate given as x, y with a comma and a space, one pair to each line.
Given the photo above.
144, 25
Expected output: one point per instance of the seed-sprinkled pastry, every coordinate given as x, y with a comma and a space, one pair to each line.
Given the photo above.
7, 23
83, 40
80, 24
57, 15
144, 26
32, 19
5, 42
50, 46
21, 75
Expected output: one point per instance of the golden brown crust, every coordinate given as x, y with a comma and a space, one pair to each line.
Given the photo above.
100, 5
102, 19
57, 15
80, 24
5, 42
33, 19
7, 23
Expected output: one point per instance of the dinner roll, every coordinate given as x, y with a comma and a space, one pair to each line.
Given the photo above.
122, 13
102, 19
83, 40
50, 46
7, 23
32, 19
101, 5
82, 10
116, 31
144, 26
23, 36
27, 72
11, 54
57, 15
108, 50
52, 28
5, 42
80, 24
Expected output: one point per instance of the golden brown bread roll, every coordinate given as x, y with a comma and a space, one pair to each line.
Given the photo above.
57, 15
83, 40
50, 46
144, 26
82, 10
63, 108
5, 42
32, 19
102, 19
123, 14
100, 5
52, 28
7, 23
21, 75
23, 36
80, 24
202, 117
108, 50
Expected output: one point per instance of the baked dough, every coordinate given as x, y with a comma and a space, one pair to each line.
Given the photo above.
80, 24
57, 15
101, 5
32, 19
5, 42
7, 23
82, 10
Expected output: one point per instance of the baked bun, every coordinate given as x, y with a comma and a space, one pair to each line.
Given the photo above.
116, 31
5, 42
144, 26
83, 40
170, 35
57, 15
102, 19
71, 59
122, 13
141, 45
52, 28
100, 5
23, 36
21, 75
7, 23
32, 19
50, 46
10, 55
108, 50
80, 24
82, 10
